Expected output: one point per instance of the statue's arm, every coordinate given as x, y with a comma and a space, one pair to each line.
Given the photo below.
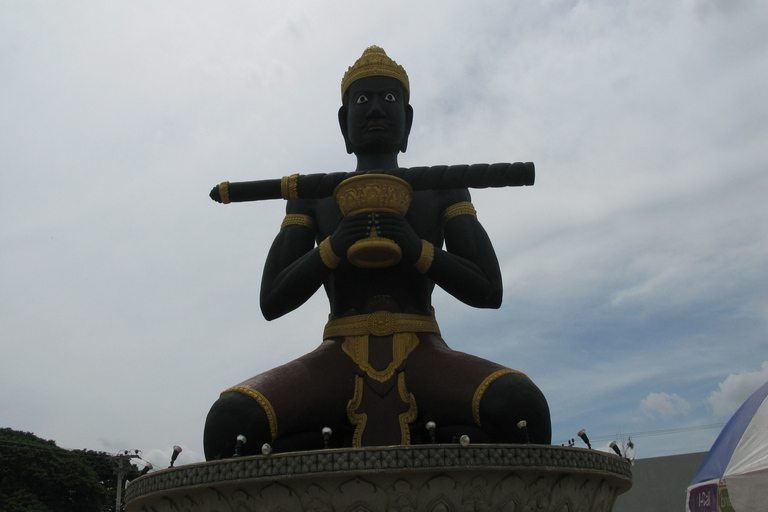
467, 268
294, 269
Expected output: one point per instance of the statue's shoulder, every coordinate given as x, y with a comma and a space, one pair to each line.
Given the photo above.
442, 199
302, 207
325, 212
428, 207
447, 198
324, 208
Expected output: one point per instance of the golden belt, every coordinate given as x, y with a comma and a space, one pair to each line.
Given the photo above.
380, 323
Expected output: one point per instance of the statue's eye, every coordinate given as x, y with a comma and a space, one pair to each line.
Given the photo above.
362, 99
390, 97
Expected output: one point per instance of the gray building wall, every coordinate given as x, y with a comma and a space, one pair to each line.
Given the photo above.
659, 483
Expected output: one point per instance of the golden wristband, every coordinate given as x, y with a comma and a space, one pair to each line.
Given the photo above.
427, 255
329, 257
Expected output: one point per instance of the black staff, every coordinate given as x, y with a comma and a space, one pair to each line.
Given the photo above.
438, 177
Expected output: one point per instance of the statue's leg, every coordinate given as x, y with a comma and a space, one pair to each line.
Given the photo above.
465, 394
445, 383
287, 406
510, 399
234, 414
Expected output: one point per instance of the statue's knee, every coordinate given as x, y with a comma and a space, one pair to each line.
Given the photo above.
509, 400
235, 414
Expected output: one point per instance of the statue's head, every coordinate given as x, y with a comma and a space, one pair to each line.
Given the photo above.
375, 116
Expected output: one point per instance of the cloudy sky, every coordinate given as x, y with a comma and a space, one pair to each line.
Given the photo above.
635, 269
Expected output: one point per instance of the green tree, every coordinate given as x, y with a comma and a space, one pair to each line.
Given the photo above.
38, 476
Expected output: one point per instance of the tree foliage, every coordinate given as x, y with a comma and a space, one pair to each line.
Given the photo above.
38, 476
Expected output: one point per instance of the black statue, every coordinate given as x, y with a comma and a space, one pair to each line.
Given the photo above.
383, 373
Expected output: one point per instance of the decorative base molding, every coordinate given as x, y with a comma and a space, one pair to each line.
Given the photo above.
424, 478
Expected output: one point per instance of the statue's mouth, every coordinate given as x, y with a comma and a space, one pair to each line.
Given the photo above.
376, 125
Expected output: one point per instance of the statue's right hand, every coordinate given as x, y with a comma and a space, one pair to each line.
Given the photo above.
350, 230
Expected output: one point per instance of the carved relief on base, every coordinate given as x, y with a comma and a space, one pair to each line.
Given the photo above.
396, 479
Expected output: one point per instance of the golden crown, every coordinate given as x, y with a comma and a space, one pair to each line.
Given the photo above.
374, 62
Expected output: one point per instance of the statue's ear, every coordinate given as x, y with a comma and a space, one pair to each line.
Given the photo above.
344, 127
408, 124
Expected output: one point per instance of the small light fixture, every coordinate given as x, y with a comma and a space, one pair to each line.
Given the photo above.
266, 449
146, 469
241, 440
431, 425
615, 448
327, 431
176, 451
523, 425
464, 440
583, 435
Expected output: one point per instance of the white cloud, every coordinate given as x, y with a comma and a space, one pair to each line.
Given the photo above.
736, 389
643, 236
664, 405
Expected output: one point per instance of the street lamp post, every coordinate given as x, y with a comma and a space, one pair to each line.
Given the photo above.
121, 458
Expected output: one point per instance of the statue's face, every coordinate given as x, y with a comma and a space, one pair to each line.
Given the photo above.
376, 117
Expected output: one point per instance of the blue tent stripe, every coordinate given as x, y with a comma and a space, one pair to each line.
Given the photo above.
719, 456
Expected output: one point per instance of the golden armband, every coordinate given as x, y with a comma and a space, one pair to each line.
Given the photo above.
427, 255
329, 257
298, 219
289, 187
463, 208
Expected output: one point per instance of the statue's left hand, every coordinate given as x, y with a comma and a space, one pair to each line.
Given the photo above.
395, 227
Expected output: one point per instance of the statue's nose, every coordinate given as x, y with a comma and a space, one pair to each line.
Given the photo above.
374, 109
